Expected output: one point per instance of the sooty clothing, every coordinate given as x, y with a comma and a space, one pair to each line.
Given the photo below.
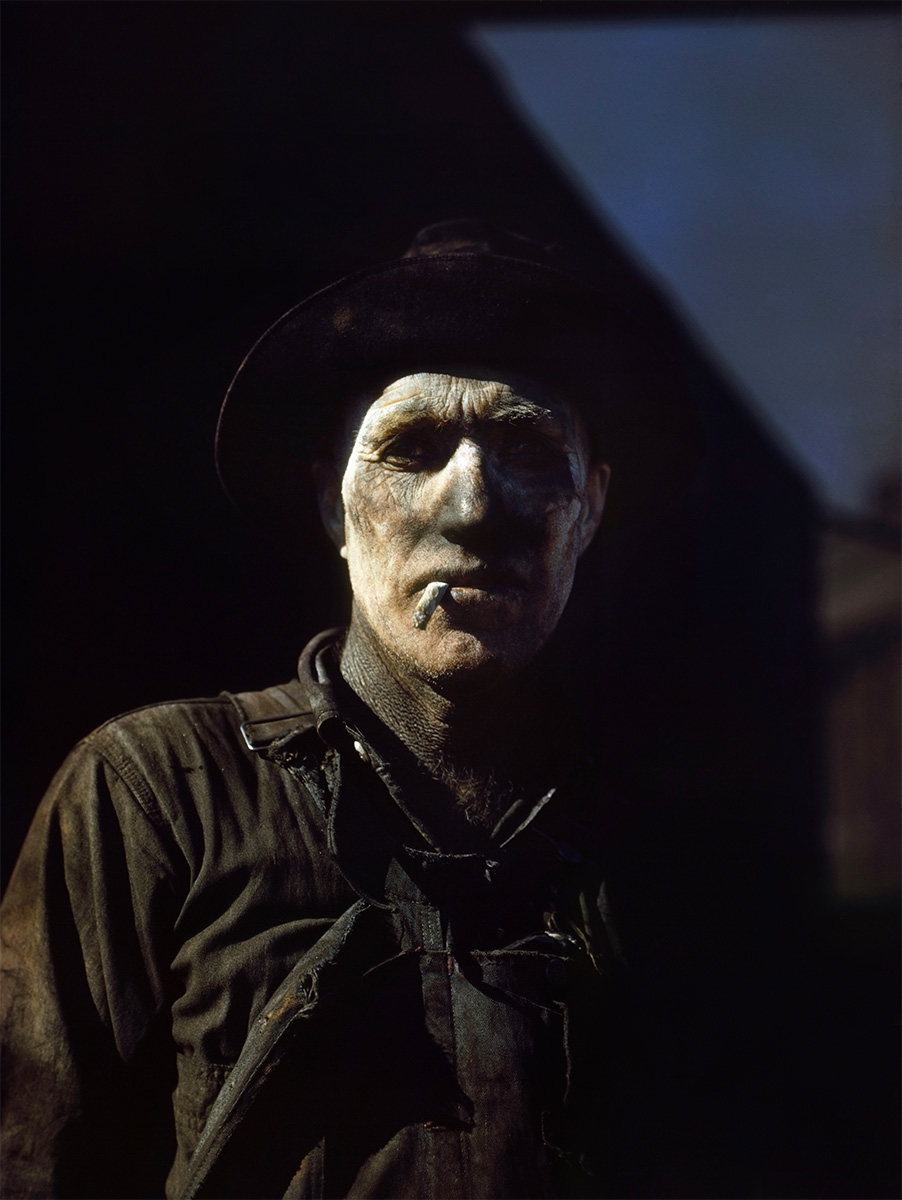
449, 1029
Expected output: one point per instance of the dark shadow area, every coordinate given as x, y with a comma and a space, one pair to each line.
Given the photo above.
178, 175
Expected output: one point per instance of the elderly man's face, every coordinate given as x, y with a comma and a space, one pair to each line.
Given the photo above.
482, 485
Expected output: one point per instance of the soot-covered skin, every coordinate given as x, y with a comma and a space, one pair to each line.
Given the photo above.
485, 485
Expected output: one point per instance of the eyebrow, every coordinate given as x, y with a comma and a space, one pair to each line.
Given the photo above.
412, 416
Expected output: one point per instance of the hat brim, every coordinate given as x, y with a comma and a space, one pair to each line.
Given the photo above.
483, 311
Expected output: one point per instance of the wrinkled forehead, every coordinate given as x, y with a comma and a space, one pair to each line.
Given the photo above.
461, 398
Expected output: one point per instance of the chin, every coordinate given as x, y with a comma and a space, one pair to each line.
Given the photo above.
460, 661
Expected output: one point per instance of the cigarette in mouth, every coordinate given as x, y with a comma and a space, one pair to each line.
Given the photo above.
432, 596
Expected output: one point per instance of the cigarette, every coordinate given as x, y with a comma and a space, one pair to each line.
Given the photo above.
432, 596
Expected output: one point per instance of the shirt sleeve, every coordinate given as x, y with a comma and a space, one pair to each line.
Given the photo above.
87, 929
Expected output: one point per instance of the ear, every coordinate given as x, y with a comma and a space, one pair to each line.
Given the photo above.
593, 503
331, 508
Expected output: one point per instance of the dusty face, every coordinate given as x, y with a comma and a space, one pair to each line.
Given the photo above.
472, 483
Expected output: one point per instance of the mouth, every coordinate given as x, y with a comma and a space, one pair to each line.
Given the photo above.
481, 579
482, 594
470, 593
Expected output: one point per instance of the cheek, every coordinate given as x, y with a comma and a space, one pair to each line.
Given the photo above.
562, 524
379, 517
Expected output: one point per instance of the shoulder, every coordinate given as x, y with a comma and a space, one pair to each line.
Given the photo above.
186, 752
173, 726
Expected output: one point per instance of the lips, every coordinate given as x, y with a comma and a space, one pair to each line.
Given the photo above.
483, 579
481, 599
467, 595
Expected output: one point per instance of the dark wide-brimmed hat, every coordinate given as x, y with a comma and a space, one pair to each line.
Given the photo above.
466, 297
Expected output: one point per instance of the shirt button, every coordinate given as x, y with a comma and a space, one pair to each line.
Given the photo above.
556, 972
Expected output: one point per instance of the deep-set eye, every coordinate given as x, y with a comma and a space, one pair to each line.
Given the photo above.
525, 446
416, 450
530, 448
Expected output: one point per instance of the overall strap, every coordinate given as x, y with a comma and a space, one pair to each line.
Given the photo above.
273, 715
325, 970
268, 719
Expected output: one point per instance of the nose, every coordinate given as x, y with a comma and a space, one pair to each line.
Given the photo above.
472, 502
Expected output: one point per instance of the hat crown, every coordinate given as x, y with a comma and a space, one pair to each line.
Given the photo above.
471, 236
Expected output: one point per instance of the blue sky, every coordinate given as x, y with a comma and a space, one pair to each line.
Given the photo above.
753, 165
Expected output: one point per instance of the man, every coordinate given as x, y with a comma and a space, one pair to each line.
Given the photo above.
349, 936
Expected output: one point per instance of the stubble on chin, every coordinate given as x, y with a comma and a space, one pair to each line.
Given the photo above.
459, 663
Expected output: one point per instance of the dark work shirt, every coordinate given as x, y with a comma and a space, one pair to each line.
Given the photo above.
187, 856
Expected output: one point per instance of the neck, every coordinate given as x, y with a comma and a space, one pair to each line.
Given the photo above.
439, 726
472, 744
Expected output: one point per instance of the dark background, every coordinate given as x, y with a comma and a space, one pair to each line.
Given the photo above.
179, 174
